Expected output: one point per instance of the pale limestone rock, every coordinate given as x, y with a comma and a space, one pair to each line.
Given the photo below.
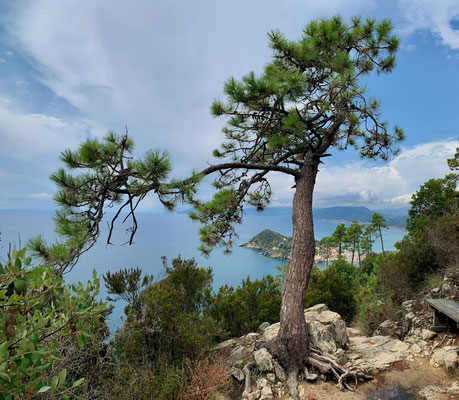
431, 392
238, 354
376, 353
279, 371
266, 393
318, 308
262, 327
447, 357
238, 374
427, 334
264, 360
227, 343
271, 332
262, 382
454, 389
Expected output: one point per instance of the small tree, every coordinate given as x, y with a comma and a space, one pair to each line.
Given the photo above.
352, 238
379, 222
339, 235
324, 249
367, 239
307, 101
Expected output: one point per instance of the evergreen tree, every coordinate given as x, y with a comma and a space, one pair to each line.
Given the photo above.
379, 222
352, 238
324, 249
435, 198
338, 236
307, 101
367, 239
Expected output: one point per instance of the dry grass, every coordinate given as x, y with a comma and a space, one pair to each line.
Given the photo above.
207, 377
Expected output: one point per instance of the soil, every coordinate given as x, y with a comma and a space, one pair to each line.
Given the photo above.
404, 377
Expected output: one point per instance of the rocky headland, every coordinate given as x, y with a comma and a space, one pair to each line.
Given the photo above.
275, 245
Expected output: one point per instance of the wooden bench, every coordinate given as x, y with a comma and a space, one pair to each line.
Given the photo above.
446, 315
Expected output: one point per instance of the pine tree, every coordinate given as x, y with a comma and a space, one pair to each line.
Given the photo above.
306, 102
338, 236
379, 222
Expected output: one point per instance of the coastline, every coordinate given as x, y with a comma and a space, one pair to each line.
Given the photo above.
345, 221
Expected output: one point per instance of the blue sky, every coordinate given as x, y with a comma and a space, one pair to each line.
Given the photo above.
73, 69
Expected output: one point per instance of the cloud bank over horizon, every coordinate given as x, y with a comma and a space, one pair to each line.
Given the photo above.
73, 70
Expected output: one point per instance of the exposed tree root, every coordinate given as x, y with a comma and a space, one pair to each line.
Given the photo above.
327, 365
292, 384
247, 374
323, 364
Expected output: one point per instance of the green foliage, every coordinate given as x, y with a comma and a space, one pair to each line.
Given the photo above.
453, 163
324, 248
435, 198
169, 324
367, 239
38, 308
242, 310
307, 99
352, 239
338, 236
147, 381
126, 284
335, 286
99, 175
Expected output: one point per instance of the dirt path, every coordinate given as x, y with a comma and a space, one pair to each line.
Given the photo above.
409, 376
401, 380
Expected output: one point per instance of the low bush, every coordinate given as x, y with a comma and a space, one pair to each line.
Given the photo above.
335, 286
241, 310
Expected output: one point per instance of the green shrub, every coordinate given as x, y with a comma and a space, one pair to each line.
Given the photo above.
38, 311
167, 321
242, 310
147, 381
335, 286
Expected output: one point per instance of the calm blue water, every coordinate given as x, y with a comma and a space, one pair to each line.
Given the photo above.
164, 234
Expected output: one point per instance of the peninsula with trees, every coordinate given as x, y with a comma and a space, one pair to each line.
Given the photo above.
350, 243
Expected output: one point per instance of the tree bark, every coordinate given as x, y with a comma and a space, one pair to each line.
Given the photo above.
291, 346
382, 244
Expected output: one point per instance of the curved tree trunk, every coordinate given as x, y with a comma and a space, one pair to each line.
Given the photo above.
291, 347
382, 243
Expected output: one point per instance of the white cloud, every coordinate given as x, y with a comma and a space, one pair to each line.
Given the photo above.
34, 137
361, 183
435, 16
41, 195
403, 199
156, 66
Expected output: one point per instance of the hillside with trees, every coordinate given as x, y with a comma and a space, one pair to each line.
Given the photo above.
308, 100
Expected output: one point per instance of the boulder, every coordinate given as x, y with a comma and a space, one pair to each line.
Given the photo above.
225, 344
238, 354
271, 332
238, 374
326, 329
279, 371
266, 393
264, 360
387, 328
431, 392
427, 334
447, 357
454, 389
376, 353
262, 327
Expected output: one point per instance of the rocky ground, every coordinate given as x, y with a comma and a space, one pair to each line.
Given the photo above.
424, 363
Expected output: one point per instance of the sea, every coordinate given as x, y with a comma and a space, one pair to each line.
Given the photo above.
164, 234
